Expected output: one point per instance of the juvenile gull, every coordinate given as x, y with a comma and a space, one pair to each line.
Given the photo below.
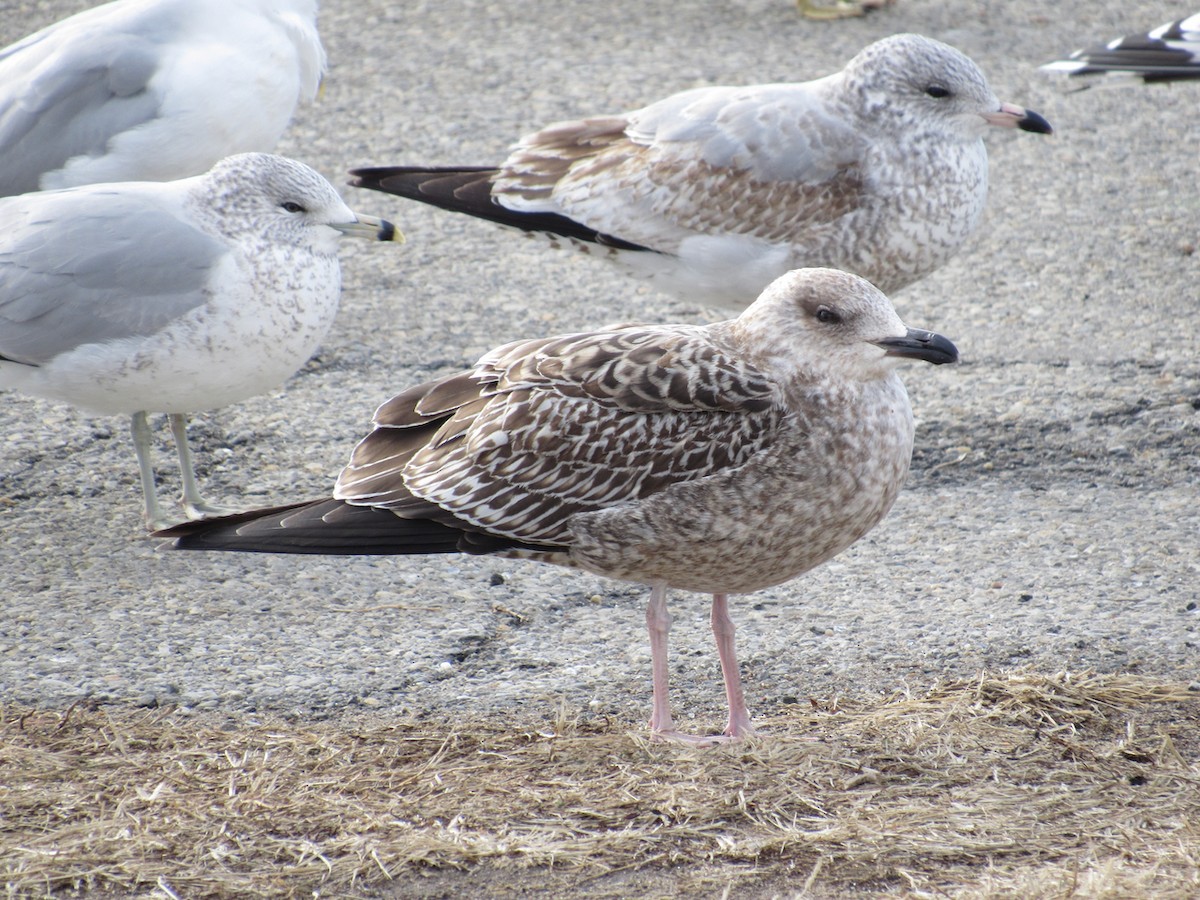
1170, 52
723, 458
152, 90
879, 169
172, 297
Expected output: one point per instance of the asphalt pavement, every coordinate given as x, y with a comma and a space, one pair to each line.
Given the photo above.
1052, 518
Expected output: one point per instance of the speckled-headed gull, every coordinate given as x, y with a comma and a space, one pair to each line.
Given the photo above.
723, 458
1170, 52
171, 297
879, 170
152, 90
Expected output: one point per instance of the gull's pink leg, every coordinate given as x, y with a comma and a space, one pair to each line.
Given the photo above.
723, 631
662, 726
658, 623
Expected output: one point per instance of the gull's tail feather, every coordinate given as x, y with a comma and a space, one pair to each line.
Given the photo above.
468, 190
337, 528
323, 526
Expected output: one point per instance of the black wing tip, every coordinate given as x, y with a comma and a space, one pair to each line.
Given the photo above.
468, 189
372, 177
225, 532
336, 528
1149, 56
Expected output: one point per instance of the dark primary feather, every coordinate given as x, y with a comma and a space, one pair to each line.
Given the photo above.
469, 190
336, 528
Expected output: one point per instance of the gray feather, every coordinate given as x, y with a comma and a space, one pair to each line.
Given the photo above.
89, 265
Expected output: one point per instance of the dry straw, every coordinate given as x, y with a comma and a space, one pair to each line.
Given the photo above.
1009, 786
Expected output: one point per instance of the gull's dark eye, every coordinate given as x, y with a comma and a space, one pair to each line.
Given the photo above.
293, 207
937, 91
827, 316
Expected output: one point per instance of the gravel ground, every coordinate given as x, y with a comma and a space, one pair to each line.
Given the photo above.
1051, 519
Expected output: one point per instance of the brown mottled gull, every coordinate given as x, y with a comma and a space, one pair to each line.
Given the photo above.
171, 297
879, 169
723, 458
1170, 52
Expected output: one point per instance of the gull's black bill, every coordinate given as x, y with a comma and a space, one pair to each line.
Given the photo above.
1034, 122
917, 344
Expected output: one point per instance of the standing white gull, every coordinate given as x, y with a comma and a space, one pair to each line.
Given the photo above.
152, 90
172, 297
879, 170
1170, 52
723, 458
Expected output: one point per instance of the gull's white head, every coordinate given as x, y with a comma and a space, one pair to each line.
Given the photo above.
280, 200
923, 86
828, 323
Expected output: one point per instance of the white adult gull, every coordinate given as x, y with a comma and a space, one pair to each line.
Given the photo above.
723, 458
153, 90
1170, 52
879, 170
171, 297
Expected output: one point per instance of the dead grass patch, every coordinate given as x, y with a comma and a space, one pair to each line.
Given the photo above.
1019, 785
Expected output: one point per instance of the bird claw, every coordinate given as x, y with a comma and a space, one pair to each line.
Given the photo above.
701, 741
201, 509
160, 523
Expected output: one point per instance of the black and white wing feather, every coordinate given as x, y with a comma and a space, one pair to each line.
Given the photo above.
1170, 52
